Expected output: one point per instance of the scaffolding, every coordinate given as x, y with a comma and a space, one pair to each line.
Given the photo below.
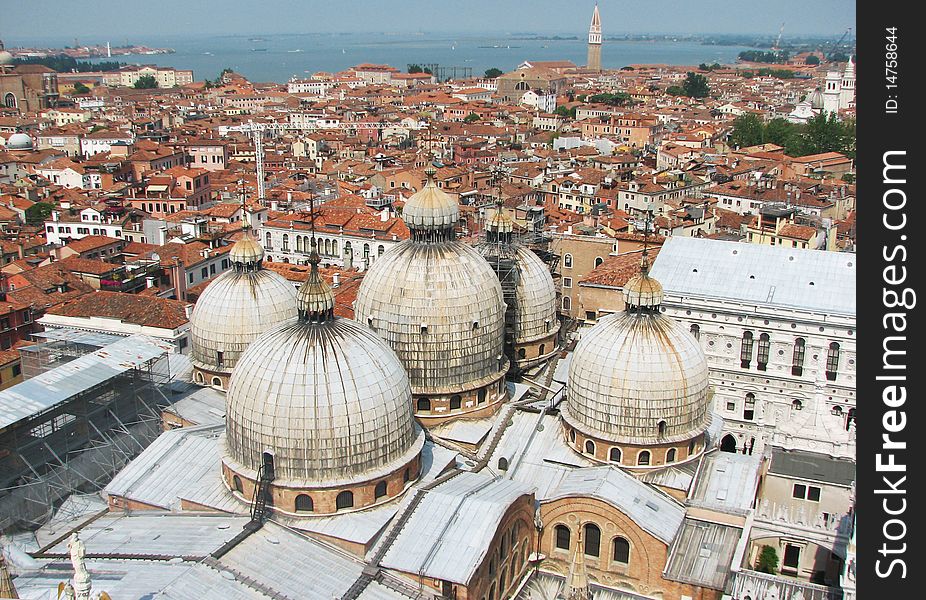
56, 347
72, 428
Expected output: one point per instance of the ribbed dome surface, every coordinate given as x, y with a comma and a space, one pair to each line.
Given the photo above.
631, 371
451, 290
642, 290
233, 311
431, 208
329, 399
246, 250
536, 298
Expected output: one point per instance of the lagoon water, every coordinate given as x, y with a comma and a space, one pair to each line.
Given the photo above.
278, 57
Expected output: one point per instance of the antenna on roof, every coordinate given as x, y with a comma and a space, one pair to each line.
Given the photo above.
314, 259
242, 197
644, 267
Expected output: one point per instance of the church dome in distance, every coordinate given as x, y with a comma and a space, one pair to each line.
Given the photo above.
19, 141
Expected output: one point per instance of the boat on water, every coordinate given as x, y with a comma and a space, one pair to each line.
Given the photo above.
296, 50
258, 49
257, 39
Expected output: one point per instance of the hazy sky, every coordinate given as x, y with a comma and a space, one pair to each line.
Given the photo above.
24, 20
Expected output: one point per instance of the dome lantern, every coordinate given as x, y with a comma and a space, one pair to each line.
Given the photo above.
431, 214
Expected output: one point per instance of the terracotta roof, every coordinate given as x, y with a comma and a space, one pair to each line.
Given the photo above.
615, 271
149, 311
92, 242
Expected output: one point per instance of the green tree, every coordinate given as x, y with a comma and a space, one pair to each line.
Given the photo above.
695, 85
493, 73
825, 133
38, 213
675, 90
470, 118
415, 69
768, 560
779, 131
812, 60
748, 130
80, 88
146, 82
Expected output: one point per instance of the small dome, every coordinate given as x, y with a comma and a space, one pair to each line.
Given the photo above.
639, 377
329, 399
5, 57
643, 290
235, 309
816, 99
315, 299
440, 307
499, 222
246, 251
19, 141
431, 208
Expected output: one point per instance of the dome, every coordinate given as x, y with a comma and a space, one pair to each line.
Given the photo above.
431, 209
816, 99
329, 399
440, 307
536, 298
5, 57
246, 251
235, 309
19, 141
639, 377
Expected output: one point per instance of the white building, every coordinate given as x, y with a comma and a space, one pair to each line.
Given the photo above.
839, 91
778, 327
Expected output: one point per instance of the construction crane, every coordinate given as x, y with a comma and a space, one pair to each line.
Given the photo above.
257, 131
777, 45
836, 45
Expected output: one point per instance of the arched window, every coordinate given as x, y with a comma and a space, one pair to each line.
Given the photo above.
615, 455
592, 540
598, 260
424, 405
850, 418
334, 248
572, 435
797, 405
670, 455
746, 350
541, 349
832, 361
481, 396
380, 249
236, 481
9, 100
567, 303
200, 378
455, 402
304, 503
749, 407
696, 331
728, 443
643, 457
661, 428
327, 247
621, 553
797, 358
590, 447
522, 86
366, 251
344, 500
216, 382
691, 448
503, 580
406, 476
762, 355
567, 261
562, 537
285, 247
299, 239
268, 241
522, 353
492, 592
380, 490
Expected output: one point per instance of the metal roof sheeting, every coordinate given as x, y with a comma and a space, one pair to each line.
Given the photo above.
652, 510
812, 280
703, 554
450, 531
44, 391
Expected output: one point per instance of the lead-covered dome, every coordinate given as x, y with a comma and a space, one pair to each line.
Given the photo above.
639, 377
329, 401
439, 305
19, 141
536, 298
234, 310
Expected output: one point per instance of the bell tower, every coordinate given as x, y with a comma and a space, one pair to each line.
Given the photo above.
594, 42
